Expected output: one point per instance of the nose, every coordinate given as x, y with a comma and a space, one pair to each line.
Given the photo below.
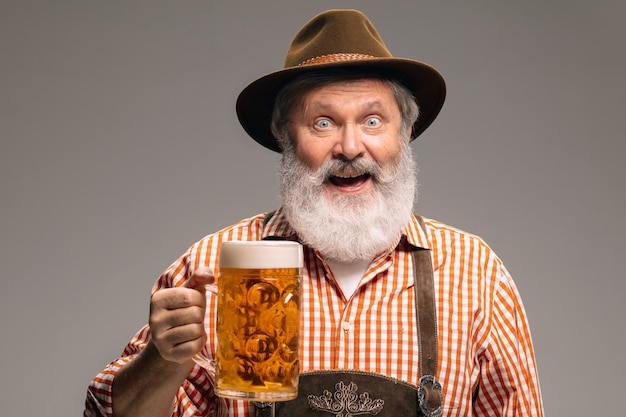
349, 144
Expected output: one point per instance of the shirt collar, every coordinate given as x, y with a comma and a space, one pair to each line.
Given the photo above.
276, 226
416, 234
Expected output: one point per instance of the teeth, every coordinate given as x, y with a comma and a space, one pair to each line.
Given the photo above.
349, 176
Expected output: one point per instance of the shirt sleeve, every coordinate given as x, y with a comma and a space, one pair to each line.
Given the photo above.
195, 397
509, 384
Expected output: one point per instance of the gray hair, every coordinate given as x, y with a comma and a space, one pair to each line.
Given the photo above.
291, 95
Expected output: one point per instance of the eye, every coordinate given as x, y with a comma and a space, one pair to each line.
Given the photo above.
372, 121
323, 123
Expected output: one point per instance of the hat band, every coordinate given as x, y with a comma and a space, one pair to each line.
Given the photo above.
324, 59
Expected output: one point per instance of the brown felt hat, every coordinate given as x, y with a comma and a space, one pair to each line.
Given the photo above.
338, 39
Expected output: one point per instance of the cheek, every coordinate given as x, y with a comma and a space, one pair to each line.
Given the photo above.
388, 154
312, 156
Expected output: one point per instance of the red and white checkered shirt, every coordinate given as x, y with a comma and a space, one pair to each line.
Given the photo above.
486, 360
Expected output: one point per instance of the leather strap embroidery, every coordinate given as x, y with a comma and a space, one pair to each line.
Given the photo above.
345, 401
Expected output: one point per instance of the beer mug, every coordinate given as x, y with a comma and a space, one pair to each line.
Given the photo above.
258, 320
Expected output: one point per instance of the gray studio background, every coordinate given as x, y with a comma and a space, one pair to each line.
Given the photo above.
120, 147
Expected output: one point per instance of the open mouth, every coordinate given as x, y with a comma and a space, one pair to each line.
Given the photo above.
349, 181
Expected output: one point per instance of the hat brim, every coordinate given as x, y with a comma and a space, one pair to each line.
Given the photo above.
256, 101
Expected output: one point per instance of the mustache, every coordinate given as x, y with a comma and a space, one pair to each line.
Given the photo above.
341, 168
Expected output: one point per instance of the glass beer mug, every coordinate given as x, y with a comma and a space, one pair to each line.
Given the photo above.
258, 320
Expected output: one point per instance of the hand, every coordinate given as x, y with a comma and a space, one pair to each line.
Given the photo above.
177, 318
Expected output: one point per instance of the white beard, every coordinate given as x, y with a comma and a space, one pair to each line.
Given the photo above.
347, 228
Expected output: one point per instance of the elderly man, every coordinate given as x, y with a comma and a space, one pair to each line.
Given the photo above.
342, 112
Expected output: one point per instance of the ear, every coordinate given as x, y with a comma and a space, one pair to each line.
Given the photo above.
409, 131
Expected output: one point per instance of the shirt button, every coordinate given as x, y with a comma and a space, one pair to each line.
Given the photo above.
346, 326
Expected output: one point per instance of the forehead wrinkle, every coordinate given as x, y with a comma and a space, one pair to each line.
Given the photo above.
325, 107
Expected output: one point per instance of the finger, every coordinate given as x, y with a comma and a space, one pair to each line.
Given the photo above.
180, 317
200, 278
181, 343
175, 298
183, 333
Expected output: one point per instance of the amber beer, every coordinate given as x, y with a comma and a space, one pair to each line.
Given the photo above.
258, 320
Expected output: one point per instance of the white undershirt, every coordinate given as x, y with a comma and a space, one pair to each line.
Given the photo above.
348, 275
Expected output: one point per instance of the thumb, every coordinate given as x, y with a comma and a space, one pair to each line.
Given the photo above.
200, 278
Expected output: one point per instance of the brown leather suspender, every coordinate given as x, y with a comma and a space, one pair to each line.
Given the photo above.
429, 389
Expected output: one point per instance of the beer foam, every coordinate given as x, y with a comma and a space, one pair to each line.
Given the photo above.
261, 254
